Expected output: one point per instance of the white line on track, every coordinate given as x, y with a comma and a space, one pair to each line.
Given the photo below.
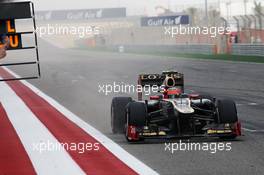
31, 131
118, 151
252, 130
252, 104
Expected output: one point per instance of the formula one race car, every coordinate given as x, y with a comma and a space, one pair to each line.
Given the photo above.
173, 113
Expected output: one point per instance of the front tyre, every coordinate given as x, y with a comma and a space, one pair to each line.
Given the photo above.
136, 119
227, 113
118, 114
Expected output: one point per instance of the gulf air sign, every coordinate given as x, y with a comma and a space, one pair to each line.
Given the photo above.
165, 21
82, 14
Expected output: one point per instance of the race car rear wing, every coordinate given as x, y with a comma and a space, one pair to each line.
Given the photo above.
168, 79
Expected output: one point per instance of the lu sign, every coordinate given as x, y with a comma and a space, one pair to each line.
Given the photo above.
8, 28
8, 13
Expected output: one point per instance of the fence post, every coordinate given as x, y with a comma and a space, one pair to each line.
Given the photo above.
249, 27
255, 26
215, 49
238, 28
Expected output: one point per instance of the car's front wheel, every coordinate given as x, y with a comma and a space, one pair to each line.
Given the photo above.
118, 114
136, 118
227, 113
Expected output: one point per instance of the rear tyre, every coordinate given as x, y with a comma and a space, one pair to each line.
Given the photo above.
136, 116
118, 114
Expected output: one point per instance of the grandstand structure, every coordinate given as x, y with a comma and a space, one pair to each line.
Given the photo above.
127, 31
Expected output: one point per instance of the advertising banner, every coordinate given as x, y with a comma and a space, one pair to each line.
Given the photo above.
81, 14
165, 21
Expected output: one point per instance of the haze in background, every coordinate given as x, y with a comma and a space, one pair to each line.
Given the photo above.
147, 7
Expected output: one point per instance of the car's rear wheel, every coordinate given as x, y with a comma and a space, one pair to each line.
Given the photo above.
118, 114
136, 117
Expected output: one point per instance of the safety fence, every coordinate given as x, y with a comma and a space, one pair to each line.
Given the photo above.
188, 48
207, 49
248, 49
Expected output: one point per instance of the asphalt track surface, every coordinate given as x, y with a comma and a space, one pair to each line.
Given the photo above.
72, 78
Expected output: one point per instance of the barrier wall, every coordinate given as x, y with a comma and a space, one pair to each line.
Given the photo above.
207, 49
248, 49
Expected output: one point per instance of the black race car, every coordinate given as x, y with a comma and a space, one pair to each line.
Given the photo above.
173, 113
